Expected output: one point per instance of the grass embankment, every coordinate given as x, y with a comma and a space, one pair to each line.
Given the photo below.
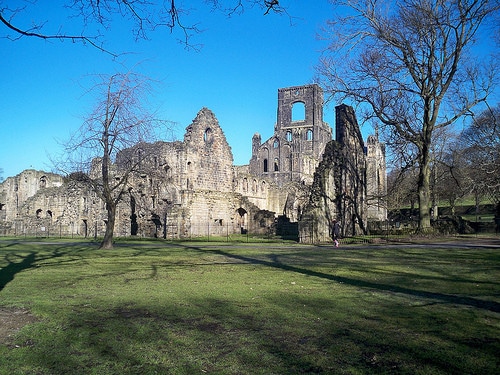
156, 308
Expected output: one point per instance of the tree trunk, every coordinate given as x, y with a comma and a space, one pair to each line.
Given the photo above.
107, 242
424, 222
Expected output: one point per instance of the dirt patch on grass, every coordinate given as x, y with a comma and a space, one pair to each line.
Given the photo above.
11, 321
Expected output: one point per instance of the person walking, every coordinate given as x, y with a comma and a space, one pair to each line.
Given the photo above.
335, 232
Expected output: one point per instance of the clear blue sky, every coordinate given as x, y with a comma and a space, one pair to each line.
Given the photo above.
243, 62
237, 73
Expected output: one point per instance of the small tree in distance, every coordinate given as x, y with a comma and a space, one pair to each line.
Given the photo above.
479, 146
118, 122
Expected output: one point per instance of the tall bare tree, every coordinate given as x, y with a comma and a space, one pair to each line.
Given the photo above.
411, 64
119, 121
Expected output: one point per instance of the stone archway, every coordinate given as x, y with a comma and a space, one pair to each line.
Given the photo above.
242, 220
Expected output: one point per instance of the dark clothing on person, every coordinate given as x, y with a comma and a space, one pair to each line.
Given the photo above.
335, 230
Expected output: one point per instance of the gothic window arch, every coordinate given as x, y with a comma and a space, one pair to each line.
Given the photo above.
207, 136
265, 166
298, 111
309, 135
276, 165
276, 143
289, 136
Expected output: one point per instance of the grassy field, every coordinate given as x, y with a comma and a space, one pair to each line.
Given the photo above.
225, 308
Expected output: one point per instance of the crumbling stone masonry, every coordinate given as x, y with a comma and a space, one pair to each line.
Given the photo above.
299, 177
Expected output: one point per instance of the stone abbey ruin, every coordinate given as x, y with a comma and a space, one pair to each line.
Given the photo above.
296, 182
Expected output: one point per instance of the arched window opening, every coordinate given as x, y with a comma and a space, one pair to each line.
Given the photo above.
309, 135
276, 165
298, 111
38, 213
289, 136
207, 136
43, 182
49, 213
276, 143
265, 166
241, 219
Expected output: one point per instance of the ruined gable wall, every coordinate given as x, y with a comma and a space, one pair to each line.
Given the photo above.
208, 155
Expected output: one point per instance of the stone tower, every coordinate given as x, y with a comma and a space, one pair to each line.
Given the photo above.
299, 139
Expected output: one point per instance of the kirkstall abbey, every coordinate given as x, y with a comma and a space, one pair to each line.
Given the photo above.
295, 183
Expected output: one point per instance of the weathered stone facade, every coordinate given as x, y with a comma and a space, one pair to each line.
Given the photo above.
299, 177
342, 187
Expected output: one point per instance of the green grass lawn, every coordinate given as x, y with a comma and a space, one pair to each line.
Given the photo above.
150, 307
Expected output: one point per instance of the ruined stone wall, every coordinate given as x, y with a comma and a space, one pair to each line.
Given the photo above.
339, 187
16, 200
352, 199
191, 188
376, 180
207, 150
324, 199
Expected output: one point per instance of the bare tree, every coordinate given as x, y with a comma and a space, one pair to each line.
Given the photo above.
479, 146
449, 179
410, 64
97, 15
119, 121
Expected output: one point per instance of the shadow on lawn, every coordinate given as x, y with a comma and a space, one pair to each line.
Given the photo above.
447, 298
8, 272
204, 334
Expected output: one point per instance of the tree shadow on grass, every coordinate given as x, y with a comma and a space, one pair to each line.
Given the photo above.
442, 297
8, 272
17, 263
448, 298
274, 262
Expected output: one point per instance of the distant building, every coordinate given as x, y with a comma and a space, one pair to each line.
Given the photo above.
295, 182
